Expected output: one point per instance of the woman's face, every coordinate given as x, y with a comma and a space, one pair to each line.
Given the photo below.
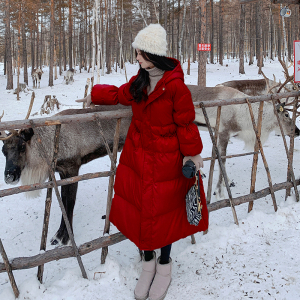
145, 64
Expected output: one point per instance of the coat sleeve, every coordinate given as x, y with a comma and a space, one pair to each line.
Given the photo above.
184, 115
105, 94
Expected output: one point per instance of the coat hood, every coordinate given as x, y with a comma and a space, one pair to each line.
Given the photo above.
176, 73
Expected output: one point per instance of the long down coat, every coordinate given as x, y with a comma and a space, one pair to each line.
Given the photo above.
149, 201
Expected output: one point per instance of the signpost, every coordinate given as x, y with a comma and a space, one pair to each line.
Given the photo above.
204, 47
296, 61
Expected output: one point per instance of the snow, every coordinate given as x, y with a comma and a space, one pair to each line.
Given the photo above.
258, 259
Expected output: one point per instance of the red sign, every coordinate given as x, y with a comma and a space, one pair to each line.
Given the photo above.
204, 47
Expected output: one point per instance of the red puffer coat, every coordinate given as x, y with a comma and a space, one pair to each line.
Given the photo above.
149, 201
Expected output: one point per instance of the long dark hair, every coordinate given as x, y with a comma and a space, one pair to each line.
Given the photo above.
140, 84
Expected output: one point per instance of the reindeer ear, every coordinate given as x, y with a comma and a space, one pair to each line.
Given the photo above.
280, 107
26, 134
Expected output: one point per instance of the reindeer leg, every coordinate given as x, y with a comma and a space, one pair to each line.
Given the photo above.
68, 195
222, 147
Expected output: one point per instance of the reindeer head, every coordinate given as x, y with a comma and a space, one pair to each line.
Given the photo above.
14, 149
288, 127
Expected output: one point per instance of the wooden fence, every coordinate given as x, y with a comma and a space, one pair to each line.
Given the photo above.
105, 241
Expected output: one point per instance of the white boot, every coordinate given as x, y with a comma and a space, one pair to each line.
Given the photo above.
141, 290
161, 281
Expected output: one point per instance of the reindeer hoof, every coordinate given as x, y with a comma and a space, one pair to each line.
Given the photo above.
232, 184
54, 241
59, 240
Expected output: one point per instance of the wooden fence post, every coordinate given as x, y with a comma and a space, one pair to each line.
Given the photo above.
9, 270
48, 203
262, 155
255, 156
43, 154
220, 163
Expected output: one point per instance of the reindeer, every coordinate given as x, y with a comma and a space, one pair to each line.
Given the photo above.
69, 76
36, 77
236, 121
79, 143
22, 87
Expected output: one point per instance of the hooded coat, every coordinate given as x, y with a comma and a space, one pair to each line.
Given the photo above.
149, 201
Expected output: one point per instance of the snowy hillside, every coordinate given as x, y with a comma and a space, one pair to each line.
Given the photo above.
259, 259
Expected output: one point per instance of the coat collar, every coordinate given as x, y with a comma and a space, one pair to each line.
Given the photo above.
168, 76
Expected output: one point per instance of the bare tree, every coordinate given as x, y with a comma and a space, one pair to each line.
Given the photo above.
8, 52
70, 35
51, 44
241, 41
221, 50
202, 54
180, 54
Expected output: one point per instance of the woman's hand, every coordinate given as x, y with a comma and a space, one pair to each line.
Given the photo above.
87, 101
197, 160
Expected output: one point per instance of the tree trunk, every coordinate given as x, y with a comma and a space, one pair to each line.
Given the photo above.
202, 54
181, 34
251, 36
51, 44
271, 33
60, 38
212, 32
94, 38
19, 51
259, 54
64, 43
242, 38
24, 44
221, 45
70, 35
9, 71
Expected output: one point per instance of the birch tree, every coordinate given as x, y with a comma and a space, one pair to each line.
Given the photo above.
180, 57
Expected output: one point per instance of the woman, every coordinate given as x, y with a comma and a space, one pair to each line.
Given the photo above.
149, 202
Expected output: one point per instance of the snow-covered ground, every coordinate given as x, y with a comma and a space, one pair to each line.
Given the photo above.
259, 259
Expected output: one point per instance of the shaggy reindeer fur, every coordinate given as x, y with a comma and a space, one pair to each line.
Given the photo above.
235, 120
79, 143
252, 87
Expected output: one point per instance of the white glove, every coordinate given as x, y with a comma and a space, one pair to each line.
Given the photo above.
87, 100
197, 160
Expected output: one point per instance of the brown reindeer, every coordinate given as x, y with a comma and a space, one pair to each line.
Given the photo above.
79, 143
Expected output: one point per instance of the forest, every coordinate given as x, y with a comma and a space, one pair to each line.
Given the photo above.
97, 34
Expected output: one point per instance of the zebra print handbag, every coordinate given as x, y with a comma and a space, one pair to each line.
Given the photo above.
193, 202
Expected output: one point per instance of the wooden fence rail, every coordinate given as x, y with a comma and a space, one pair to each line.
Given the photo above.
67, 251
122, 113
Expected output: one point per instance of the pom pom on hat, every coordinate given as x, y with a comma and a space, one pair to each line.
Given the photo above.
152, 39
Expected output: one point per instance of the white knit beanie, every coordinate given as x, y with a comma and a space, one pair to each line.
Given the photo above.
152, 39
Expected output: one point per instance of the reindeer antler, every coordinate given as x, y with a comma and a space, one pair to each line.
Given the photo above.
266, 79
287, 75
